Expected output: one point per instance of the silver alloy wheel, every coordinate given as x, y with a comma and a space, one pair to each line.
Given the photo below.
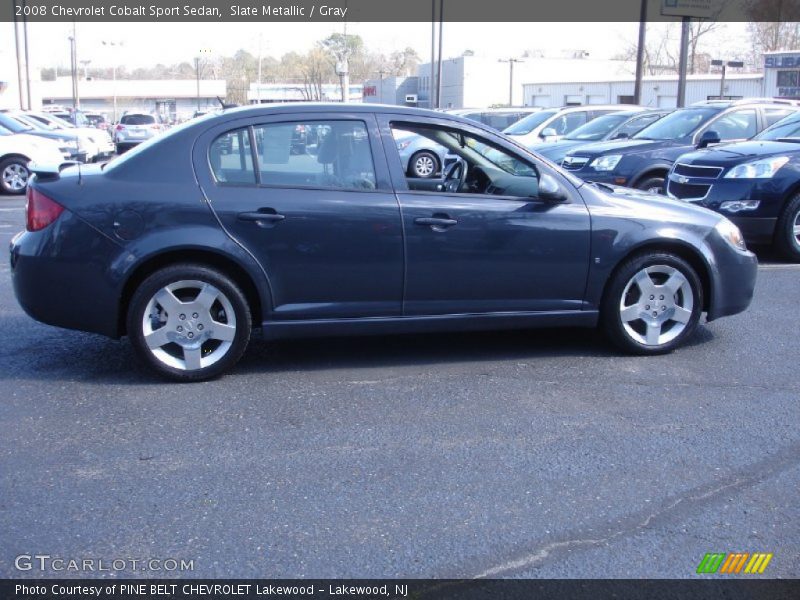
796, 228
189, 325
15, 176
656, 189
656, 305
424, 166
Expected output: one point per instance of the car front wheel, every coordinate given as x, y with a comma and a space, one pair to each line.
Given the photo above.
787, 232
189, 322
14, 175
653, 303
654, 185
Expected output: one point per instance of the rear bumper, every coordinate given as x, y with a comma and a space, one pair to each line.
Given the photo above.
57, 284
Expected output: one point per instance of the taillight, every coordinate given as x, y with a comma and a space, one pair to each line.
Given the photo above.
119, 127
41, 210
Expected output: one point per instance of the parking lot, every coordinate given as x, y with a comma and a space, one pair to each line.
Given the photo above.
524, 454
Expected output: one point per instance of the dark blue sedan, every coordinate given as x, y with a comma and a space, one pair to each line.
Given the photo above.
191, 240
756, 184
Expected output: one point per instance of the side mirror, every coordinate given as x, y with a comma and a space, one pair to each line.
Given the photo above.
709, 137
621, 136
548, 133
550, 190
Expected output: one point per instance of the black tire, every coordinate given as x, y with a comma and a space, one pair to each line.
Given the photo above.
227, 357
610, 312
120, 148
415, 165
786, 242
652, 183
18, 163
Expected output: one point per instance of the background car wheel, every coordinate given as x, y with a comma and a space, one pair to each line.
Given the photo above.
653, 303
655, 185
14, 175
189, 322
787, 232
424, 165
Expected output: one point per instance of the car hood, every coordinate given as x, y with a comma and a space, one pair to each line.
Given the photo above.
654, 206
733, 154
624, 147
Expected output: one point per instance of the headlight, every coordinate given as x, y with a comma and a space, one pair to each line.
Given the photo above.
606, 163
757, 169
731, 234
69, 144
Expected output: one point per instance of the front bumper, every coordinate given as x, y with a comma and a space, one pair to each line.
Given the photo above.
757, 225
733, 281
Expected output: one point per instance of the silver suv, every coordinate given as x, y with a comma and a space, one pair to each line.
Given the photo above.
551, 124
134, 128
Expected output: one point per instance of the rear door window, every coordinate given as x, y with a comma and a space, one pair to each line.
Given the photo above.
327, 154
231, 158
736, 125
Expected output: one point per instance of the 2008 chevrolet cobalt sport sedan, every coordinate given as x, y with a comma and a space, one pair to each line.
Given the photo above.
191, 240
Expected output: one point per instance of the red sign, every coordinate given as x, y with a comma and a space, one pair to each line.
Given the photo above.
370, 90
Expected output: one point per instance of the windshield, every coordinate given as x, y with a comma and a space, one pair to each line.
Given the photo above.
787, 128
35, 123
677, 125
530, 122
598, 128
13, 124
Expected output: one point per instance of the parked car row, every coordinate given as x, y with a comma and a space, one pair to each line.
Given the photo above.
699, 154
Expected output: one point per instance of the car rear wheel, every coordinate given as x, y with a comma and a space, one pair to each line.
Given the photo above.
653, 303
424, 165
654, 185
189, 322
14, 175
787, 232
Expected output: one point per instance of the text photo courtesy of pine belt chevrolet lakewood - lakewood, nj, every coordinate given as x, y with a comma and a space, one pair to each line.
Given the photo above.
367, 299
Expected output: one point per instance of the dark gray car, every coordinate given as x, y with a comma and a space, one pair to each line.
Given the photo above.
243, 231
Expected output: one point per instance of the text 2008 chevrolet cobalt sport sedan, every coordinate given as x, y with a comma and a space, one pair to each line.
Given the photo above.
190, 240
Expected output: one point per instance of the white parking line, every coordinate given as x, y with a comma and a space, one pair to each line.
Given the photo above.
779, 267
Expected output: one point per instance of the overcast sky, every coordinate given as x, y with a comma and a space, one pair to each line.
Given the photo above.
146, 44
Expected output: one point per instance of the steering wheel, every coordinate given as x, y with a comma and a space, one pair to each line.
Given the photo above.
454, 177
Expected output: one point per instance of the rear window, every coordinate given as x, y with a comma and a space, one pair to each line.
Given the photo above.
138, 120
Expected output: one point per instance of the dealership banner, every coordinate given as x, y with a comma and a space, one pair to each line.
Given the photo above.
275, 11
362, 589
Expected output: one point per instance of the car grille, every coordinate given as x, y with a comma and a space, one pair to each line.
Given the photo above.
697, 171
687, 191
574, 163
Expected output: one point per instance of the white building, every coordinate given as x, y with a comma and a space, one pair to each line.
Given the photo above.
658, 91
392, 90
271, 93
782, 74
477, 81
171, 98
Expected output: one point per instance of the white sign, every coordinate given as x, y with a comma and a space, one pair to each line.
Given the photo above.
697, 9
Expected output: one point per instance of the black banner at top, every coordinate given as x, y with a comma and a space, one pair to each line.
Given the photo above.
394, 10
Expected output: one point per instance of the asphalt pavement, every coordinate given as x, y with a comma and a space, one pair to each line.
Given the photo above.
523, 454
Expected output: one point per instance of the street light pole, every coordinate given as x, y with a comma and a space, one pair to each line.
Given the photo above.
115, 58
736, 64
684, 52
640, 48
510, 62
439, 65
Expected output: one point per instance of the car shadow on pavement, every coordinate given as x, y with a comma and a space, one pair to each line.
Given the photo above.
40, 352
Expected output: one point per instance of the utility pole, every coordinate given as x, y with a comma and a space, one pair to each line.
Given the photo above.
73, 59
258, 93
197, 72
439, 66
115, 58
510, 62
27, 60
685, 24
640, 48
432, 86
19, 62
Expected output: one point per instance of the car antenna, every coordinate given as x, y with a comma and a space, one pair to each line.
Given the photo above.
226, 104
